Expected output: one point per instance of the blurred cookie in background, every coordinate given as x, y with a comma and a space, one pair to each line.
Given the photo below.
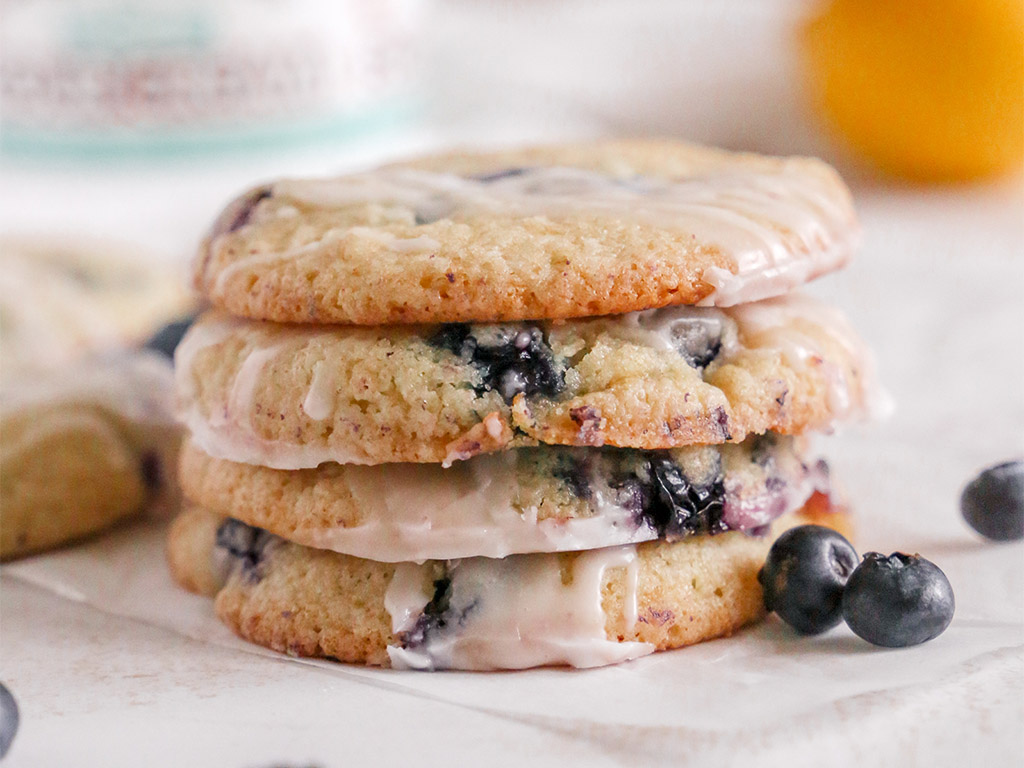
86, 417
64, 298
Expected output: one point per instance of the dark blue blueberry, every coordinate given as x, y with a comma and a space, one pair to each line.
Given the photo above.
699, 340
574, 471
898, 600
151, 470
166, 340
438, 616
9, 719
679, 508
634, 495
762, 449
515, 359
506, 173
804, 575
246, 544
993, 503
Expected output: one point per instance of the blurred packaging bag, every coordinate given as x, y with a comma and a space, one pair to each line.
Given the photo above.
109, 77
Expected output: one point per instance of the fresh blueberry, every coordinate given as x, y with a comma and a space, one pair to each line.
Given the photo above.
898, 600
993, 503
9, 719
804, 575
246, 544
510, 359
678, 508
166, 340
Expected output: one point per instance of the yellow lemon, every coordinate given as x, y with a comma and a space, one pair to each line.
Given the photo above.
927, 89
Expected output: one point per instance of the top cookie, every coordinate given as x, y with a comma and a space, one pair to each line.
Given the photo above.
549, 232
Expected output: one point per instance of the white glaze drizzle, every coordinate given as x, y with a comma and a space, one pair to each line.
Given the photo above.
228, 432
780, 227
863, 398
517, 613
426, 513
318, 402
422, 512
656, 328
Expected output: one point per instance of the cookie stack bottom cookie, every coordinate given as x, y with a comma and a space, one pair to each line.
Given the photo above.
583, 609
531, 557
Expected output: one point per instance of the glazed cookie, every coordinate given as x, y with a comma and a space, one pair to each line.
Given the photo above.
293, 397
82, 449
547, 499
62, 299
552, 232
583, 609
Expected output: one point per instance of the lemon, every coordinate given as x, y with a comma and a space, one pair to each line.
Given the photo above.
931, 90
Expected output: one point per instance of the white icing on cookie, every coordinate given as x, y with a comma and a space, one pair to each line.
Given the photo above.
515, 613
780, 226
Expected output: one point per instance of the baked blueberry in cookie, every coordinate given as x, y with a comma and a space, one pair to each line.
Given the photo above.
439, 617
245, 545
510, 359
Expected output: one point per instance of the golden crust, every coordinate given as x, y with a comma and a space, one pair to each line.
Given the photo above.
316, 603
486, 266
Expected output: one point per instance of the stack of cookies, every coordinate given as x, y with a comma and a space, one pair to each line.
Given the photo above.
526, 408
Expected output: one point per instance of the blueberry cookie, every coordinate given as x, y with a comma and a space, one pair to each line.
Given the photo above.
293, 397
547, 499
62, 300
583, 609
83, 448
550, 232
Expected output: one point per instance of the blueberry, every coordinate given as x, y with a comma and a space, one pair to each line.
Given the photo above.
8, 719
804, 575
438, 616
678, 508
574, 471
993, 503
898, 600
240, 212
699, 340
151, 470
247, 545
510, 359
487, 178
166, 340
